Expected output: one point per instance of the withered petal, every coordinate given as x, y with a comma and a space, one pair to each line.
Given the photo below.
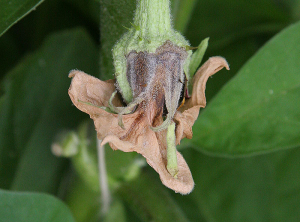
89, 94
88, 89
210, 67
184, 123
154, 150
188, 113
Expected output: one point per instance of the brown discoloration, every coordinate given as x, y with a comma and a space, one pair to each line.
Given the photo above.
188, 113
156, 76
157, 80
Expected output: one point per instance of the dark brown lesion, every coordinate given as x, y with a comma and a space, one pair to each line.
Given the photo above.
157, 79
137, 71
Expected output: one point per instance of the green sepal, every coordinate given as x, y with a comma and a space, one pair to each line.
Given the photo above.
195, 62
197, 57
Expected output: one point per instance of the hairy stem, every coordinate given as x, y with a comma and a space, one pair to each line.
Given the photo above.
152, 17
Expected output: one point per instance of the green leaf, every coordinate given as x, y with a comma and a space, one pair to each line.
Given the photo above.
116, 212
31, 207
11, 11
149, 200
9, 53
259, 188
220, 19
237, 29
36, 107
82, 201
88, 8
258, 111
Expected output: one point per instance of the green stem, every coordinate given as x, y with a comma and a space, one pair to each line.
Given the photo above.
172, 166
103, 181
152, 17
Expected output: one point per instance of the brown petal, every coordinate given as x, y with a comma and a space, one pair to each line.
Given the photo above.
137, 136
210, 67
88, 89
187, 114
88, 94
153, 147
184, 123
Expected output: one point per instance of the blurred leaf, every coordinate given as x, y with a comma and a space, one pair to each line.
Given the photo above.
9, 53
122, 166
219, 19
36, 106
83, 202
292, 6
150, 200
182, 12
12, 11
115, 15
81, 147
89, 8
116, 212
32, 31
31, 207
258, 110
260, 188
236, 54
28, 34
237, 29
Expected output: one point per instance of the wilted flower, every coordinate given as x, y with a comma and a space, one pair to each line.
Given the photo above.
157, 84
148, 109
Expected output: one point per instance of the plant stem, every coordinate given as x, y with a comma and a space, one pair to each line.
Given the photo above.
152, 17
105, 193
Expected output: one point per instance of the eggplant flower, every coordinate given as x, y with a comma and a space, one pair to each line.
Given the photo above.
159, 115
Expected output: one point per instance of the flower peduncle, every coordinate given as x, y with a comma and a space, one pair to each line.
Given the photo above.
152, 17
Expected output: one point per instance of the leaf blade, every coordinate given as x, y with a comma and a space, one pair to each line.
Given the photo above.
258, 188
36, 106
23, 207
13, 11
257, 110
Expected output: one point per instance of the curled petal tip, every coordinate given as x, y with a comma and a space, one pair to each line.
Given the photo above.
219, 62
209, 68
73, 72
